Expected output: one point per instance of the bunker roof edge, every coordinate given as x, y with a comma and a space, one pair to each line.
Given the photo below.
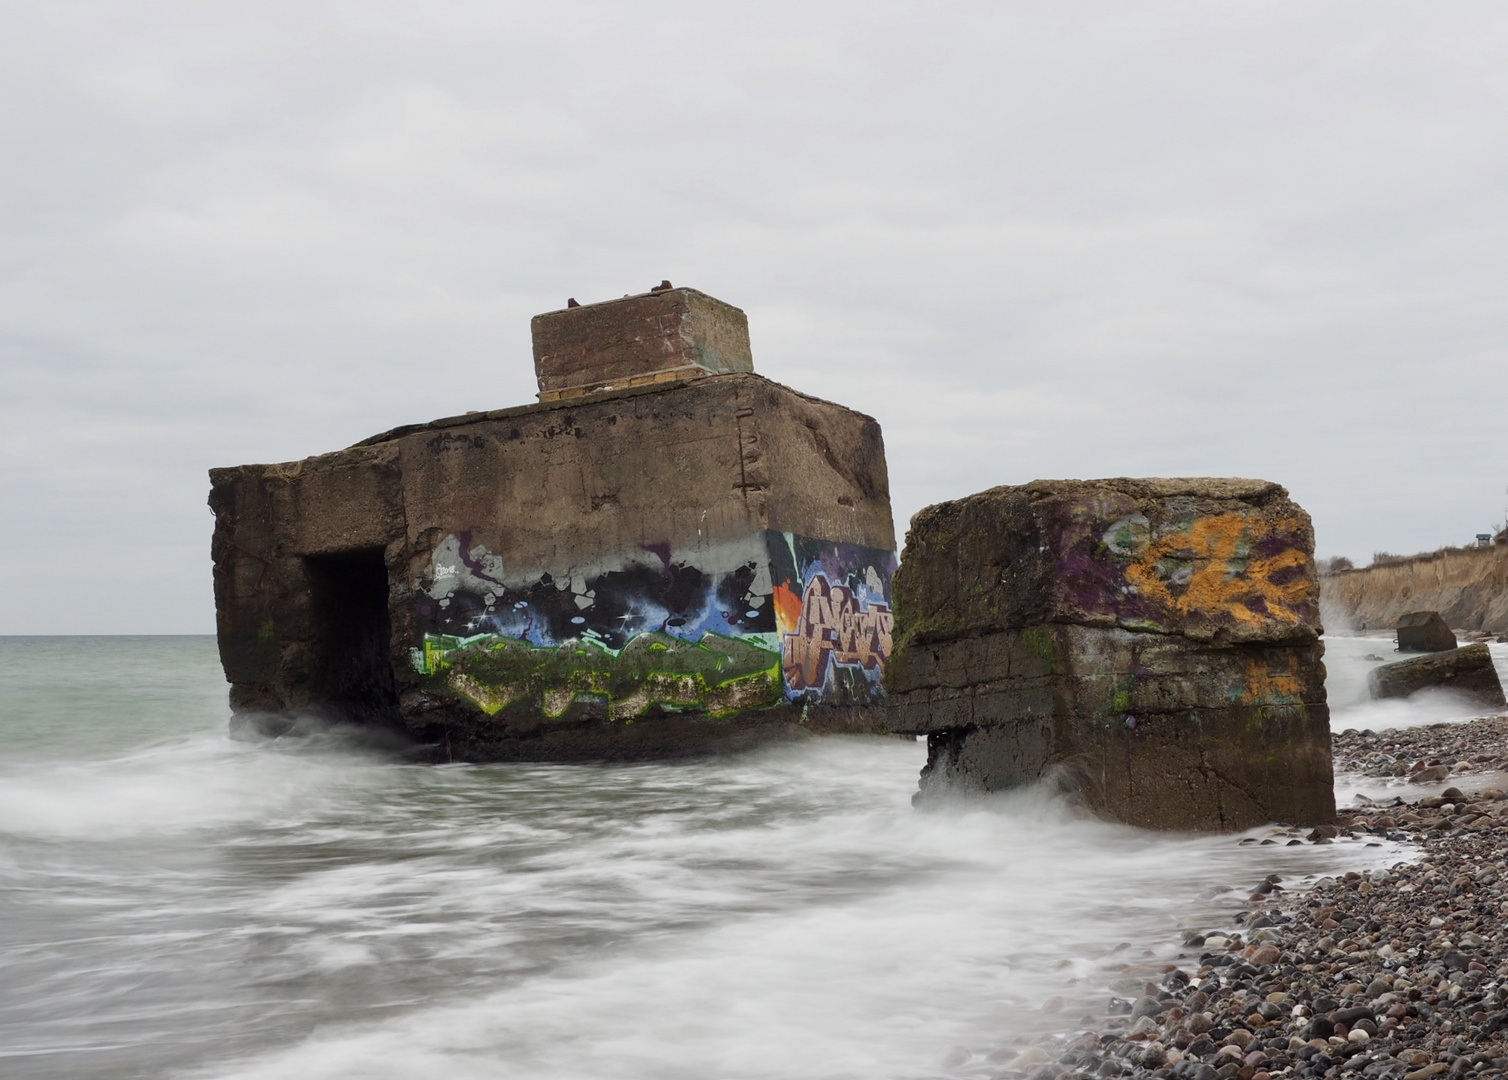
393, 434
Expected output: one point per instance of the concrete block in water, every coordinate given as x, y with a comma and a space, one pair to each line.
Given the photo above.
1424, 631
1152, 643
1467, 670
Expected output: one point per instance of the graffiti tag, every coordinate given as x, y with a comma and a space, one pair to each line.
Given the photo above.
834, 629
1210, 569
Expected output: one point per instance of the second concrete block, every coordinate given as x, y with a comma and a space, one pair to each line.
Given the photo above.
1152, 643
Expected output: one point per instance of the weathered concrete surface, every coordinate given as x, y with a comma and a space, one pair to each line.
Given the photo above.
660, 336
1424, 631
1467, 586
670, 569
1154, 643
1466, 670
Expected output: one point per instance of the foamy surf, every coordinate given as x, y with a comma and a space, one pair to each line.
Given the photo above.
191, 905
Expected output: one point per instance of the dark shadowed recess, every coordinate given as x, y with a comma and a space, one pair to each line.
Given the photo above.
352, 676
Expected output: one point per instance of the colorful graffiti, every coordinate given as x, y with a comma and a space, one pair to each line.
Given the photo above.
1215, 566
718, 675
466, 589
1265, 686
733, 626
835, 622
834, 627
1243, 574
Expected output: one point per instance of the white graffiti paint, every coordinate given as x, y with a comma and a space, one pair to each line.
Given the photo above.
479, 571
1129, 535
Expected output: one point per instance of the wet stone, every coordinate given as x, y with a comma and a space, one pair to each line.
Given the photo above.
1466, 670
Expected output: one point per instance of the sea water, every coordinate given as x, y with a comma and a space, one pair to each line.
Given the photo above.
1348, 662
177, 903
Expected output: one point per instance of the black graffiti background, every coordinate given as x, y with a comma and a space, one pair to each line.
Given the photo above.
660, 593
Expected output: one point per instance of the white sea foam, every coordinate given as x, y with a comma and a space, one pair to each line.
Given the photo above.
196, 782
196, 906
869, 941
1349, 660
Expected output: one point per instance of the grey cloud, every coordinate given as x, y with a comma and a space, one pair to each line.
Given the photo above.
1040, 239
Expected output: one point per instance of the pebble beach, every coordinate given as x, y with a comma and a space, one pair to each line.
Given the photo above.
1398, 973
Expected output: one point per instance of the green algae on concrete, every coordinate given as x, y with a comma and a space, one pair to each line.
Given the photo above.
718, 674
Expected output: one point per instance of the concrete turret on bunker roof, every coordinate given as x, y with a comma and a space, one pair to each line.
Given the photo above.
664, 335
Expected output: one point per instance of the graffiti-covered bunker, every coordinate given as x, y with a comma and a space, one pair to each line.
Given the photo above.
666, 554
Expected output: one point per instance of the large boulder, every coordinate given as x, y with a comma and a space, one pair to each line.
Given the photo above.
1467, 670
1424, 631
1152, 643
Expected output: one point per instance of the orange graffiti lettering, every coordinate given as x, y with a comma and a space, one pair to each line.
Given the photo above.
787, 608
1215, 579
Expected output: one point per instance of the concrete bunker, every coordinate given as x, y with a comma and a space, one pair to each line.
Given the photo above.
1154, 644
1424, 631
667, 554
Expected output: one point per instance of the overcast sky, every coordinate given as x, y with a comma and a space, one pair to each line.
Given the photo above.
1033, 239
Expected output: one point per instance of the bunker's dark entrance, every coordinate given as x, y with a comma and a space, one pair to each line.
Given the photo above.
352, 675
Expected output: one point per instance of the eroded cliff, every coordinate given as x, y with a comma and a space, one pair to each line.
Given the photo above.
1467, 586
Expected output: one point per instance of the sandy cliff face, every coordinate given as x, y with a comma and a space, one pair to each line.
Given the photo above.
1469, 588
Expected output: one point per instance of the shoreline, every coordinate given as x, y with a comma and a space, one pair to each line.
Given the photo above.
1395, 974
